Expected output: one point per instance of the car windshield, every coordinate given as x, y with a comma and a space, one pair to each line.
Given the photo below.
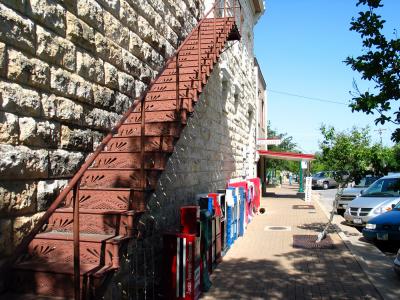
366, 181
319, 175
384, 187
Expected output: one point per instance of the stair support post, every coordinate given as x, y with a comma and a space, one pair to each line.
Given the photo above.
142, 144
77, 279
214, 48
177, 83
198, 52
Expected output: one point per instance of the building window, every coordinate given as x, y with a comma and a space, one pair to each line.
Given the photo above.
236, 102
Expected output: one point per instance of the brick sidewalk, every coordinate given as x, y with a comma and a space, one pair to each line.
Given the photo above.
264, 265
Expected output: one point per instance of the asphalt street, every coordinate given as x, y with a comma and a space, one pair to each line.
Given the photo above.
326, 199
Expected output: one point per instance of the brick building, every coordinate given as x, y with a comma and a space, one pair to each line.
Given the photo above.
70, 69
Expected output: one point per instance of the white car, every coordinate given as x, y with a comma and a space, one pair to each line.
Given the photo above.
380, 197
345, 195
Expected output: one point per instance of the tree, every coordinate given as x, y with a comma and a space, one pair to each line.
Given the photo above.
353, 152
287, 145
379, 63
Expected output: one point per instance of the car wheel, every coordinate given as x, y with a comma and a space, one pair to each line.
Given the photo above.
340, 211
325, 186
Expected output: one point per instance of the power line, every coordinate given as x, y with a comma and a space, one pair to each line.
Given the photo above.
305, 97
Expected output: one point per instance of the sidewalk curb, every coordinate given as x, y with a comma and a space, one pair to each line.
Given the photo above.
361, 262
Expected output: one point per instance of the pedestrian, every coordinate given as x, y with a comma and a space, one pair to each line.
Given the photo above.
290, 178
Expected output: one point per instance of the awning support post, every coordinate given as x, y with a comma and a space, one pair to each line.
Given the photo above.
301, 188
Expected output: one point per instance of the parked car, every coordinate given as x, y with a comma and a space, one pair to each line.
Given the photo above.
326, 179
374, 201
396, 265
323, 179
384, 227
345, 195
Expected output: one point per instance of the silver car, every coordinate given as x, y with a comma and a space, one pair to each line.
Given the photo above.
345, 195
380, 197
324, 179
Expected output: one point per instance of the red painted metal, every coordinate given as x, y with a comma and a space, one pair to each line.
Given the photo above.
190, 220
101, 201
77, 264
287, 155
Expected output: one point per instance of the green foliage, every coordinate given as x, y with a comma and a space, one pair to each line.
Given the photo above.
318, 164
287, 145
379, 63
353, 152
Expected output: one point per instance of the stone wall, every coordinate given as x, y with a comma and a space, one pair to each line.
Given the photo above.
68, 70
217, 144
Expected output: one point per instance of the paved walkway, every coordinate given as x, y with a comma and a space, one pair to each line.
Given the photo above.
264, 265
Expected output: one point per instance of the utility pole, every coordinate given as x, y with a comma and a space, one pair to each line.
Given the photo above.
380, 131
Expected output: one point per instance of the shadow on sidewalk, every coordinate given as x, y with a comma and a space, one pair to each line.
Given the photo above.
317, 227
306, 274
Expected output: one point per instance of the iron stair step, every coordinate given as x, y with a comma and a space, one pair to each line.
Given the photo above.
152, 117
119, 178
124, 160
192, 45
55, 279
105, 198
151, 129
133, 144
93, 221
169, 71
191, 63
164, 95
171, 86
99, 198
209, 37
164, 105
157, 116
168, 78
49, 247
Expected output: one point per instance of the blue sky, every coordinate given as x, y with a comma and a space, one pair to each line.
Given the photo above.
300, 46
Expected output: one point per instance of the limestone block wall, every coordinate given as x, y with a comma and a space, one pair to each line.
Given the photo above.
217, 144
68, 70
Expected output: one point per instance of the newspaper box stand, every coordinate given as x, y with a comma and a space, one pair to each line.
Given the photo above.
247, 203
236, 212
205, 246
206, 203
242, 219
218, 200
232, 213
182, 266
224, 208
256, 193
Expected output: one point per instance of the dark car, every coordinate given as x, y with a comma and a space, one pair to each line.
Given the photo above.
384, 227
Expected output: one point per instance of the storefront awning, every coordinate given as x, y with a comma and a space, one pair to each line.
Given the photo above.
286, 155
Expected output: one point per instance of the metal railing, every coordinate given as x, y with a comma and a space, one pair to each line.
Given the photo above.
74, 183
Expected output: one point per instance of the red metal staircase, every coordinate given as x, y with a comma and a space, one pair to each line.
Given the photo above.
69, 256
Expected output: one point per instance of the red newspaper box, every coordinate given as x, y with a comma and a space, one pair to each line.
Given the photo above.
181, 266
190, 220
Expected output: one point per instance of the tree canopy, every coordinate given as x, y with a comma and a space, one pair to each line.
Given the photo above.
353, 152
380, 64
287, 145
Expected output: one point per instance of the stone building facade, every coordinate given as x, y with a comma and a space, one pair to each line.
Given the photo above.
262, 121
69, 69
